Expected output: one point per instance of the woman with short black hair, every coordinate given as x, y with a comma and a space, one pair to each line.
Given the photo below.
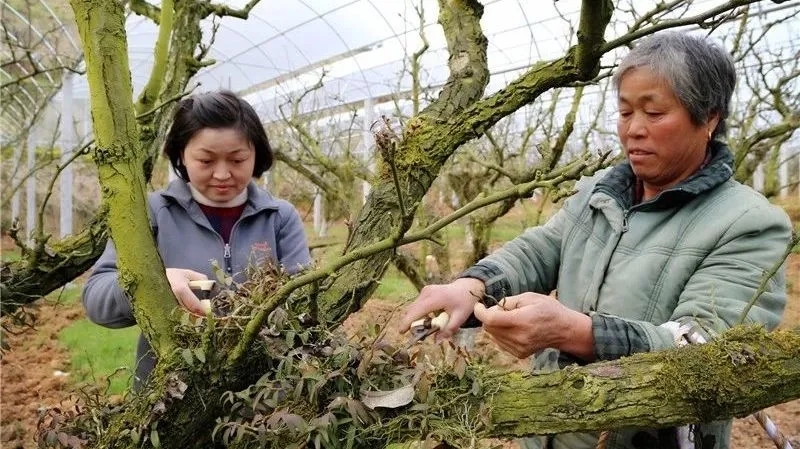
213, 211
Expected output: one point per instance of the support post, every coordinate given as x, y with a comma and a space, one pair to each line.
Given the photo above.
320, 227
367, 141
15, 175
783, 172
67, 144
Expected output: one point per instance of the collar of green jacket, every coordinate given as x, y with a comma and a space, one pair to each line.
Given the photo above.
620, 182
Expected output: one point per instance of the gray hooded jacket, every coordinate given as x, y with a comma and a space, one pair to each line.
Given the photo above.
186, 239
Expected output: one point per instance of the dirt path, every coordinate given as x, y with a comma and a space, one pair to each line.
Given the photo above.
30, 374
29, 380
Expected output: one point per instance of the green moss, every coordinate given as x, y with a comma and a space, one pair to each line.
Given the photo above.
738, 360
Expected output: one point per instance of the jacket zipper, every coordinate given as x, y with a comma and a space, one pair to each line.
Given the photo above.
227, 256
227, 253
625, 220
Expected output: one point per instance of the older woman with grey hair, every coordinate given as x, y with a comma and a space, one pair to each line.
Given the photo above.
662, 247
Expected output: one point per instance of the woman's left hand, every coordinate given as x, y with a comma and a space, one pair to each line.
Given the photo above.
526, 323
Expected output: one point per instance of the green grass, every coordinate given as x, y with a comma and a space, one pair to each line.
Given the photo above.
97, 353
394, 286
9, 255
69, 294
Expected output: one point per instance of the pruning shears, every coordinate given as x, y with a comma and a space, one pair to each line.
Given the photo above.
203, 291
424, 327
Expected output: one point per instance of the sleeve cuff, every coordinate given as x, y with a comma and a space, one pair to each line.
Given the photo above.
497, 285
615, 337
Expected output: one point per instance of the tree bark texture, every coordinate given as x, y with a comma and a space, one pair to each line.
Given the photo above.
34, 275
418, 157
743, 372
457, 116
119, 157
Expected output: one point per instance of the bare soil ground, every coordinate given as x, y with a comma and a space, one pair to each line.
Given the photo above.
29, 379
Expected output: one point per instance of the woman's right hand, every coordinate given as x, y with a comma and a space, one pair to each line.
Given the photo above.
179, 281
457, 298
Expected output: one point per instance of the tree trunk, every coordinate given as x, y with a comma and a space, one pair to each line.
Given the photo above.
420, 154
743, 372
119, 157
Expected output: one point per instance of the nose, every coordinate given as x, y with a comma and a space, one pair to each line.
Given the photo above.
221, 172
636, 126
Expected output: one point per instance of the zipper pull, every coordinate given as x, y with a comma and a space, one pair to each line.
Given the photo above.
625, 222
227, 256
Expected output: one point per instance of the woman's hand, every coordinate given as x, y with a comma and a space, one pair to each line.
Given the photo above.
179, 281
526, 323
456, 298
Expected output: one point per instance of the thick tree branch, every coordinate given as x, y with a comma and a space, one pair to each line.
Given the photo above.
51, 265
742, 372
303, 169
409, 266
224, 10
151, 90
574, 170
580, 63
119, 159
468, 66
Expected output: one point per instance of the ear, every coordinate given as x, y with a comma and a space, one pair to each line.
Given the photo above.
711, 123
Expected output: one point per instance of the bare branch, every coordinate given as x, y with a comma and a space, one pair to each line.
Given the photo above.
146, 9
224, 10
701, 19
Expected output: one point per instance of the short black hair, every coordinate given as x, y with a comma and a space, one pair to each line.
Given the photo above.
220, 109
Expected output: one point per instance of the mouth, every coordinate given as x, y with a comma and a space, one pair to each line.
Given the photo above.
638, 152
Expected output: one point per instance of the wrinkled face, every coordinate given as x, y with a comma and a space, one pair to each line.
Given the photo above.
660, 140
219, 162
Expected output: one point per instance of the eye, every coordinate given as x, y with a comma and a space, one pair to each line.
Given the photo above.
654, 113
204, 161
625, 113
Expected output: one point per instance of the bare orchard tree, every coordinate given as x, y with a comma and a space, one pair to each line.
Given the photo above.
767, 110
180, 51
276, 373
36, 53
326, 146
507, 156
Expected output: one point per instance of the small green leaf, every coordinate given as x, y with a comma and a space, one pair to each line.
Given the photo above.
187, 355
154, 439
200, 354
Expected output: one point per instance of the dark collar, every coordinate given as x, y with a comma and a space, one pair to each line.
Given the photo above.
620, 182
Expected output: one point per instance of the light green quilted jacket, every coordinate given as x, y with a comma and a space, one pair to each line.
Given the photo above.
693, 255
